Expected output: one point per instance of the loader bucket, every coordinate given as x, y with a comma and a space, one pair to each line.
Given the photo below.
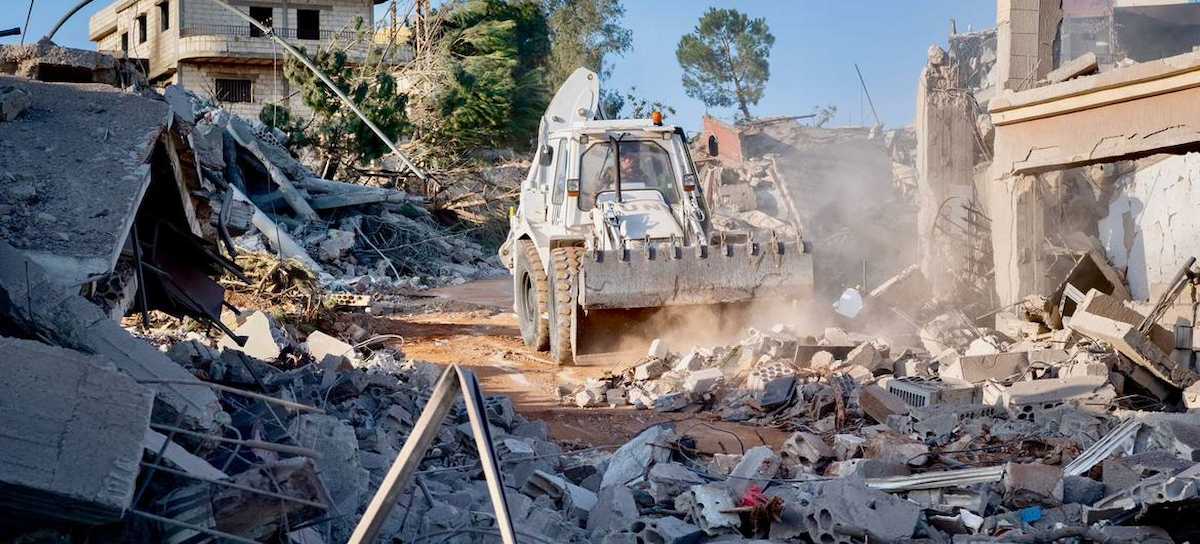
683, 295
673, 276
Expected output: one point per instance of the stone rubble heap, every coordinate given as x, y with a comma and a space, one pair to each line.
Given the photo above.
354, 237
1061, 423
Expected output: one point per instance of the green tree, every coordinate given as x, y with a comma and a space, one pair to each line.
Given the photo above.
725, 59
494, 54
335, 130
584, 33
631, 105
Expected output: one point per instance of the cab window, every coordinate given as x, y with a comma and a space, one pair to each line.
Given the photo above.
642, 165
560, 171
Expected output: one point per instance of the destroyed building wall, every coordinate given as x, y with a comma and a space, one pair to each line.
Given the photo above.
1026, 36
947, 147
826, 172
1151, 227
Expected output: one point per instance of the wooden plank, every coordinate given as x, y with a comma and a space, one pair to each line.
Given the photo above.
473, 399
403, 469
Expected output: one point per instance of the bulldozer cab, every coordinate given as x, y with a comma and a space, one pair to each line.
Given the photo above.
612, 169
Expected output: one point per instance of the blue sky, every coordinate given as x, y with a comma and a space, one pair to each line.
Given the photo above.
817, 43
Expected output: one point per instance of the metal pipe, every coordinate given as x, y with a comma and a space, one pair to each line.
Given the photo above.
257, 444
193, 527
328, 82
233, 485
242, 392
58, 25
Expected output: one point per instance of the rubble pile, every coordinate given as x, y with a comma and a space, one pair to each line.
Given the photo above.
776, 177
354, 237
1017, 433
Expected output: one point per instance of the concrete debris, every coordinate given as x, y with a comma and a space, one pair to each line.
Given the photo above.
13, 102
710, 508
69, 453
1019, 383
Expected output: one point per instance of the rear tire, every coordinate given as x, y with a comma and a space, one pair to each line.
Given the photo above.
531, 292
564, 267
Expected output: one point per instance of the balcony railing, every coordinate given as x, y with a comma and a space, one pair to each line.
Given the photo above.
246, 31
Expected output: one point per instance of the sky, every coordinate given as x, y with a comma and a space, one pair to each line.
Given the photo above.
817, 43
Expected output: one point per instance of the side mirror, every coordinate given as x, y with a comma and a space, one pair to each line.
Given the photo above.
712, 145
546, 156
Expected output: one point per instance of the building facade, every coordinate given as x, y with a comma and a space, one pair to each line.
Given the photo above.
206, 49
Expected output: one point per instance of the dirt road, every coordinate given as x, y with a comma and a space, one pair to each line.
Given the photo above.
473, 325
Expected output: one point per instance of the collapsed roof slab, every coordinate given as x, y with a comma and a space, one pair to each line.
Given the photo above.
31, 302
73, 171
1125, 113
71, 439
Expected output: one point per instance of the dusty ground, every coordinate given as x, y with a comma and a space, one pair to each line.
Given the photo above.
473, 325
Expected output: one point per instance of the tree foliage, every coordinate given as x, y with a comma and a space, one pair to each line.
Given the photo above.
725, 59
584, 33
494, 54
335, 129
631, 105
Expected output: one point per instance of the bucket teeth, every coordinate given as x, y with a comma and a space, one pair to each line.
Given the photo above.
665, 274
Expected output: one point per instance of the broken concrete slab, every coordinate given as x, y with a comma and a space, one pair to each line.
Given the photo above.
1033, 482
1091, 271
321, 345
665, 530
669, 480
46, 61
73, 431
807, 447
615, 506
34, 303
340, 467
838, 505
708, 506
78, 227
867, 356
651, 370
980, 368
1104, 318
703, 381
757, 467
569, 497
880, 404
633, 459
265, 340
1082, 65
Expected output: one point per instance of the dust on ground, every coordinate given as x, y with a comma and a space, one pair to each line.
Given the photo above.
473, 325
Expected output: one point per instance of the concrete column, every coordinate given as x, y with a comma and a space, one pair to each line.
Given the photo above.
1026, 31
946, 144
1017, 209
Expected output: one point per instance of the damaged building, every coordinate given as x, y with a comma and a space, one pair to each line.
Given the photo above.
780, 177
199, 45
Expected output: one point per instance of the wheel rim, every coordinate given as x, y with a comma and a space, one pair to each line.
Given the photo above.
528, 301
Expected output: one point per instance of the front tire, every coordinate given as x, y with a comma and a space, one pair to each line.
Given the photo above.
564, 267
531, 292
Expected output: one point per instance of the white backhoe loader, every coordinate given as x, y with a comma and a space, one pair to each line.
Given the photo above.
612, 227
